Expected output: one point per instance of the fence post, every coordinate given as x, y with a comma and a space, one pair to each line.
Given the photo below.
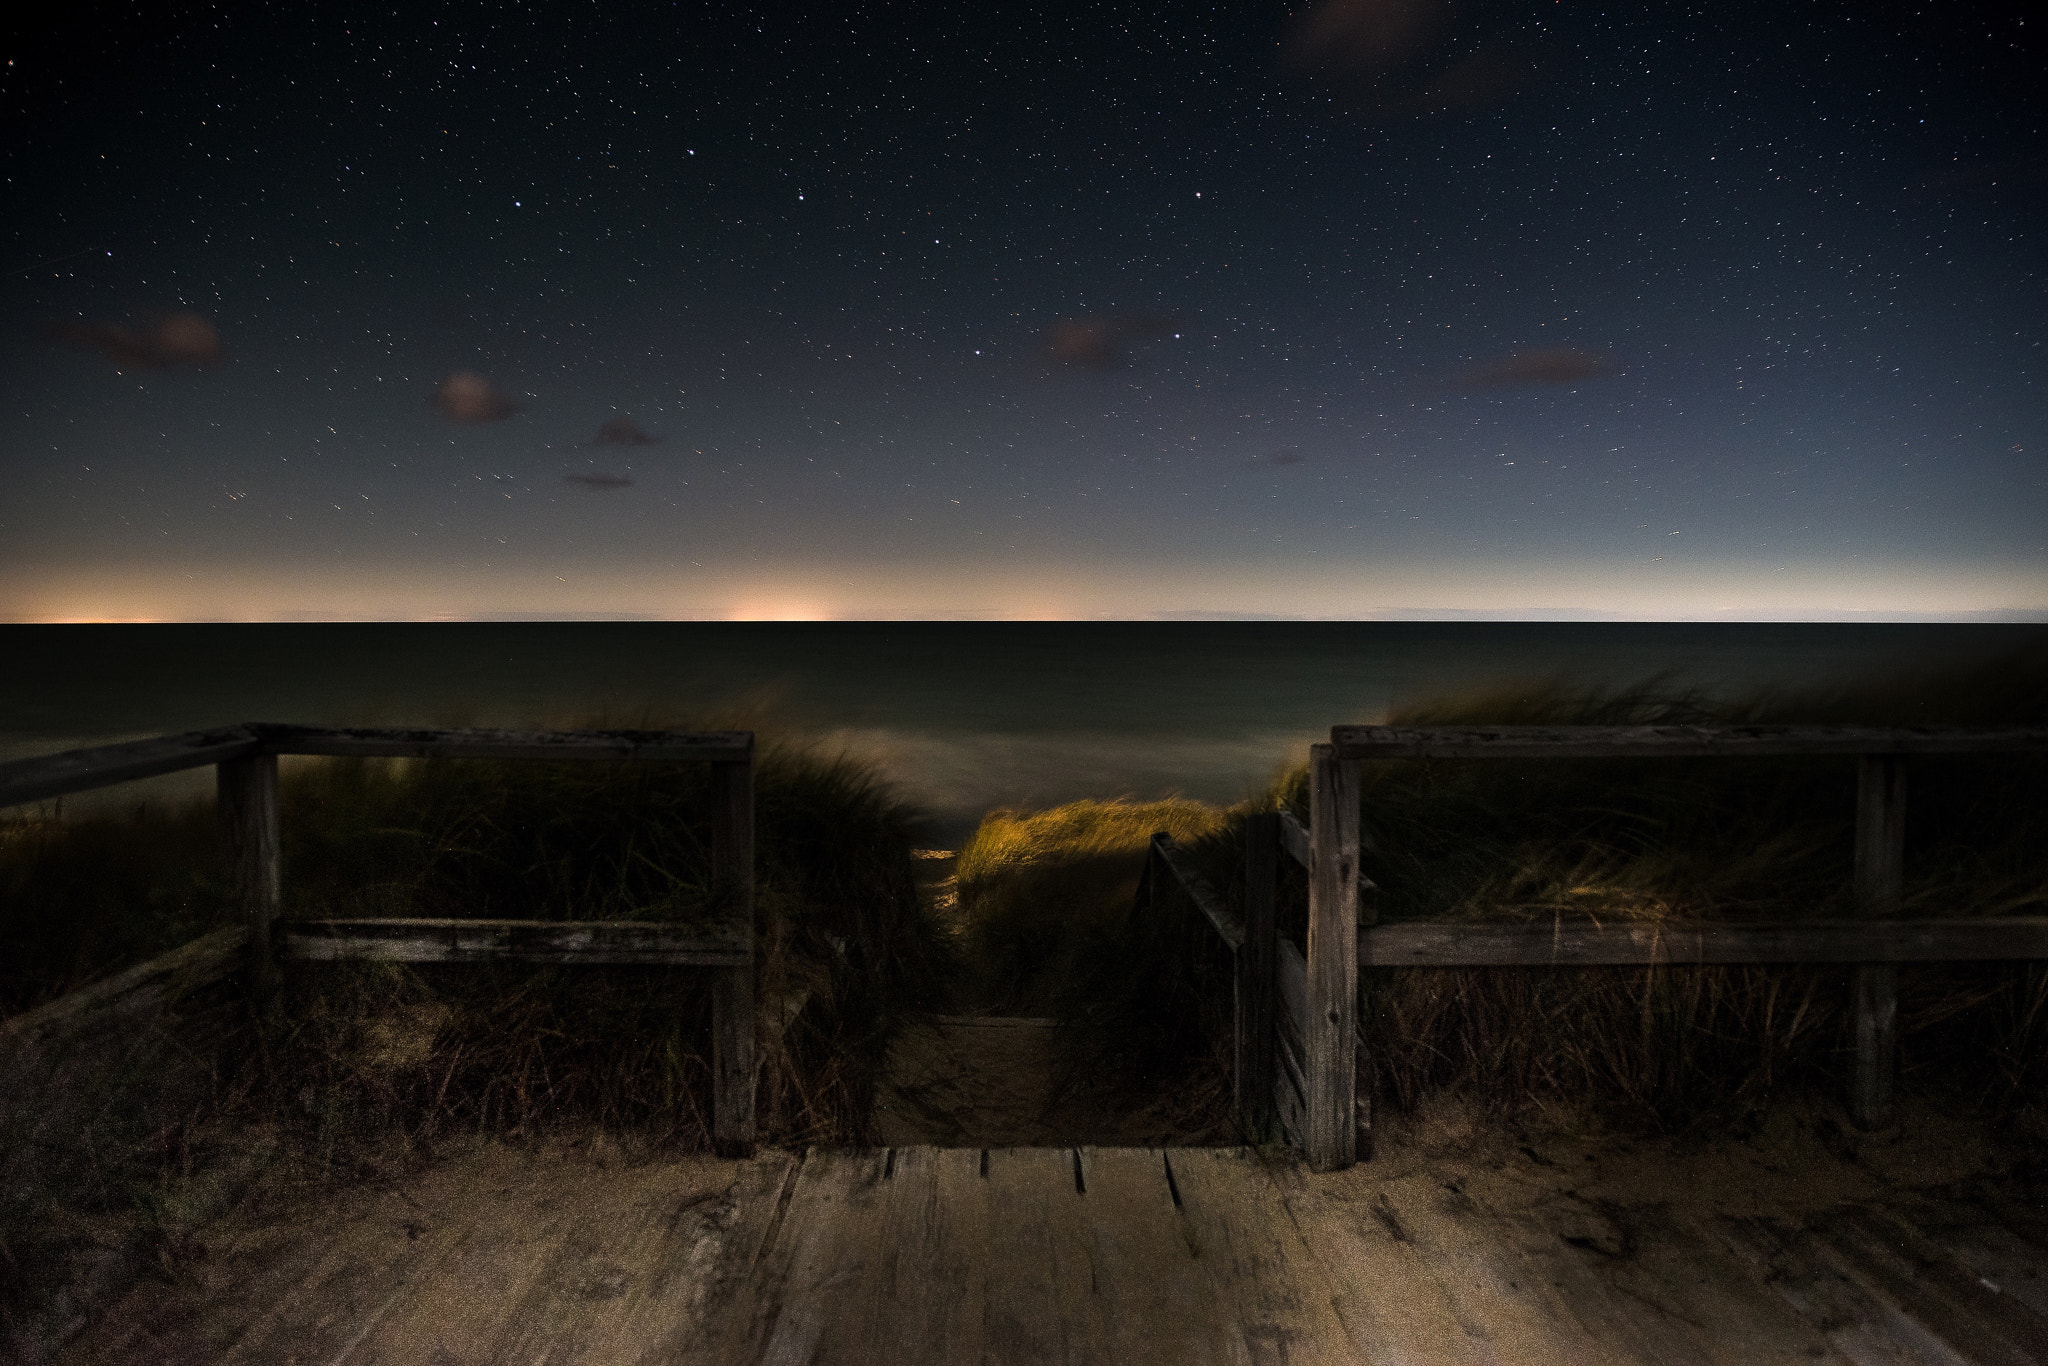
246, 806
1880, 871
1256, 1036
1332, 1043
732, 995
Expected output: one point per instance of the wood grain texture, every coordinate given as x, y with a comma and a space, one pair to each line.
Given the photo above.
1254, 984
247, 810
1294, 839
1646, 742
1199, 889
589, 942
610, 745
1138, 1257
1331, 1020
81, 770
1578, 943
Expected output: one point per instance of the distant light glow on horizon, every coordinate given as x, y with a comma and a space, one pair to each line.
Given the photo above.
1726, 314
1584, 591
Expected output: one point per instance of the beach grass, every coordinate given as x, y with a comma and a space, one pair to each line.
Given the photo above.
1050, 903
365, 1065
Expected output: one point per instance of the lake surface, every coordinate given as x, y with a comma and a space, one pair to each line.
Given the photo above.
964, 716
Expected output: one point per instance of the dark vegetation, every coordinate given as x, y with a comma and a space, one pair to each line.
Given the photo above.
363, 1064
1664, 839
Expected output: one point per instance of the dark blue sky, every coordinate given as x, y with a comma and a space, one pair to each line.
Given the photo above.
1382, 306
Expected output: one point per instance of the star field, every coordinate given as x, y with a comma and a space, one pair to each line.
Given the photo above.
1024, 310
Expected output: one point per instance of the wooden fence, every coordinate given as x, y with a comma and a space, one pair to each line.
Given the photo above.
246, 757
1296, 1044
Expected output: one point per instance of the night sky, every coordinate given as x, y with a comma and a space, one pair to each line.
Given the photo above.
1370, 308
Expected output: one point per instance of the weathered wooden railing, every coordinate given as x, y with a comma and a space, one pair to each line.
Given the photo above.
1318, 1014
246, 759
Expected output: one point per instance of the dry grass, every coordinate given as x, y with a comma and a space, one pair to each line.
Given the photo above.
1053, 923
1046, 894
364, 1066
1700, 839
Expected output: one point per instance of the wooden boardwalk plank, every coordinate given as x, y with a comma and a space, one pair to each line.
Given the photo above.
1420, 1280
799, 1292
1052, 1255
1251, 1258
1141, 1264
1860, 1326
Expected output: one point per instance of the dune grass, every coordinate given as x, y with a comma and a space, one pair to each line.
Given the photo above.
362, 1065
1761, 839
1044, 894
1049, 906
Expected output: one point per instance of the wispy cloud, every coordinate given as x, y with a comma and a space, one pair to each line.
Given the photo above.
1537, 365
466, 396
621, 431
176, 339
1099, 342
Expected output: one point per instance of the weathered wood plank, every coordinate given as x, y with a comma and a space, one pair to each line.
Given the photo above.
1409, 1280
1290, 980
1253, 1032
1332, 1016
80, 770
704, 1274
1277, 1300
733, 1020
476, 743
1200, 891
927, 1290
1038, 1286
246, 808
1157, 1304
1560, 943
1889, 1256
642, 1253
1294, 838
1597, 742
1290, 1114
1861, 1326
129, 995
1879, 879
810, 1276
519, 941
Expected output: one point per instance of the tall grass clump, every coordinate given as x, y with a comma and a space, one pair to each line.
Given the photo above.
1699, 839
1045, 896
1054, 923
368, 1063
843, 946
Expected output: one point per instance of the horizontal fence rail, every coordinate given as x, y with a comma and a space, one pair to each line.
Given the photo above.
1221, 918
515, 941
81, 770
640, 745
1342, 932
245, 757
1479, 944
1673, 742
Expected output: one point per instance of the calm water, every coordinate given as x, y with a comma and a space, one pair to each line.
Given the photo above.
963, 715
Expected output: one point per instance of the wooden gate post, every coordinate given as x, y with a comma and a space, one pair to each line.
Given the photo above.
1332, 1042
732, 993
1256, 1026
246, 805
1880, 872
